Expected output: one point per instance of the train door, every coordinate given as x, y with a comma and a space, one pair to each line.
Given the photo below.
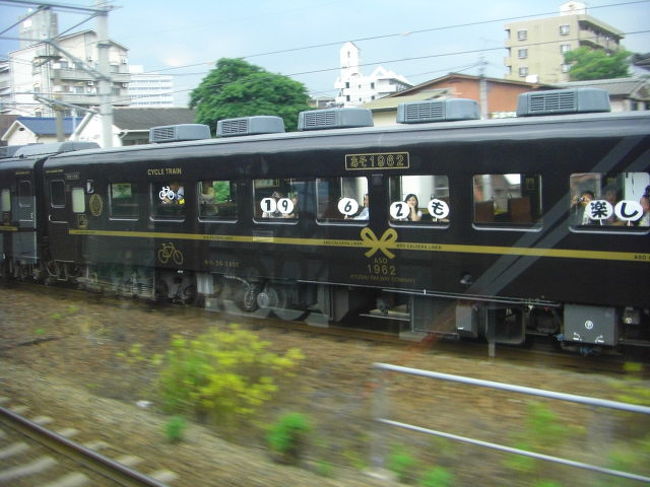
24, 241
60, 221
5, 226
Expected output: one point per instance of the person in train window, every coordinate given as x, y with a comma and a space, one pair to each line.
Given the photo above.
415, 215
364, 213
277, 213
645, 204
207, 200
611, 195
174, 194
579, 208
294, 212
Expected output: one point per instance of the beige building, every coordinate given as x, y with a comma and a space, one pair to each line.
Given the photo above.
536, 47
39, 72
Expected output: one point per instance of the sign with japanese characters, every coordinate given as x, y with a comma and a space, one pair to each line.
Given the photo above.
377, 161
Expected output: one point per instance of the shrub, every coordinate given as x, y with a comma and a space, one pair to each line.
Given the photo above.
402, 464
222, 374
437, 477
287, 437
174, 429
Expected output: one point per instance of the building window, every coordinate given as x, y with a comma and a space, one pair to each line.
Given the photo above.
522, 53
522, 35
566, 68
565, 29
523, 71
565, 48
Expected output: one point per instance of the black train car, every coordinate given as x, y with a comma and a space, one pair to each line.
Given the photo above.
22, 214
527, 225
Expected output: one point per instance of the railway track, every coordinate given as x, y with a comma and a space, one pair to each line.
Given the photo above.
32, 453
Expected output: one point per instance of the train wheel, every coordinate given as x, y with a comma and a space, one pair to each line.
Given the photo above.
248, 301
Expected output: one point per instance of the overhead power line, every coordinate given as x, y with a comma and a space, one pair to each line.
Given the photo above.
396, 34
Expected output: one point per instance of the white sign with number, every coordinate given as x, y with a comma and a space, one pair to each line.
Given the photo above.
348, 206
399, 210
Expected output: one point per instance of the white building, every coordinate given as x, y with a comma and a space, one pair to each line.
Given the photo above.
150, 90
355, 89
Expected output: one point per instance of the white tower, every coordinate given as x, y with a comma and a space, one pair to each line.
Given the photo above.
349, 57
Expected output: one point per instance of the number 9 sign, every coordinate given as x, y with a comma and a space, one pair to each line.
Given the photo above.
285, 206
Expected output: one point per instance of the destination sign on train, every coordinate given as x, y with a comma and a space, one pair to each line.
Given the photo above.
380, 160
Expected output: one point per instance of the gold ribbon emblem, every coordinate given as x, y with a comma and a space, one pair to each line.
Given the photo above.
386, 241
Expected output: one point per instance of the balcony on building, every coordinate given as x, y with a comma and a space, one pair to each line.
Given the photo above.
598, 35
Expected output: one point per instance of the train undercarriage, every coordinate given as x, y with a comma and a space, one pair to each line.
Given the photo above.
413, 316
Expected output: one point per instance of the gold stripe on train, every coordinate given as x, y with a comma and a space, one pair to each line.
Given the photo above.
384, 247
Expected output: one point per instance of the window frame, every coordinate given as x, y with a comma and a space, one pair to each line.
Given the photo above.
406, 188
53, 193
170, 215
521, 205
5, 197
357, 194
112, 206
234, 187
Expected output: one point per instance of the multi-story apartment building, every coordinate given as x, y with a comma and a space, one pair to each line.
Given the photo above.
355, 89
150, 90
38, 72
536, 47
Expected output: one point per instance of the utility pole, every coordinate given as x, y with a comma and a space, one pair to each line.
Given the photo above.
483, 103
105, 84
52, 52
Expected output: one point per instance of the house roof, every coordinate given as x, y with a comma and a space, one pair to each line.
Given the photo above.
637, 88
142, 119
452, 76
391, 102
47, 125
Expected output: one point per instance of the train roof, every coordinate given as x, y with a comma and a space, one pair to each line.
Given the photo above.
556, 126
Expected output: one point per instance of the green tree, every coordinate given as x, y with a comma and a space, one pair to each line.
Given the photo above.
587, 64
236, 88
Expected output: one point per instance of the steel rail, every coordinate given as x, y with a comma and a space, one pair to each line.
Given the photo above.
86, 457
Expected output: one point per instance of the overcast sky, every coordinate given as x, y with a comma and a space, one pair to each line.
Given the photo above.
419, 39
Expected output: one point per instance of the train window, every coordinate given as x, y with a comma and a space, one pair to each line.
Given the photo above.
217, 200
610, 200
25, 196
168, 200
57, 193
343, 199
507, 199
279, 199
419, 199
123, 202
78, 200
5, 200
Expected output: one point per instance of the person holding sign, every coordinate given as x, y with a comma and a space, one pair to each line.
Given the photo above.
414, 215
